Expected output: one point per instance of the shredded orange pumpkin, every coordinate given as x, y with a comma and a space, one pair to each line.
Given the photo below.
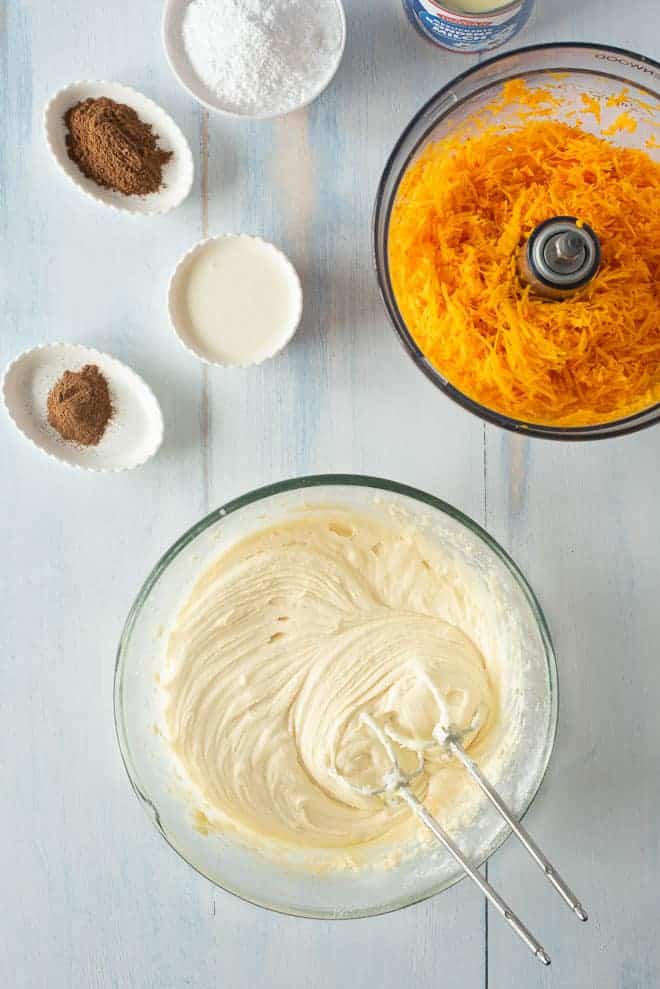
464, 209
624, 122
592, 106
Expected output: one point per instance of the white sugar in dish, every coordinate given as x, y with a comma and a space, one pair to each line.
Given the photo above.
263, 57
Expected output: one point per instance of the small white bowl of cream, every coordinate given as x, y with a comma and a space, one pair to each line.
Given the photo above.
234, 300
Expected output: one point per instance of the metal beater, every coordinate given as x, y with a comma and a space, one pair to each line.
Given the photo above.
397, 782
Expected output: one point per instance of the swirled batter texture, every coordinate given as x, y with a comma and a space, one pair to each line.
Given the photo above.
293, 633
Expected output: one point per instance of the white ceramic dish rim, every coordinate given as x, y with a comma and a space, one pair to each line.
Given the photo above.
214, 108
312, 483
160, 428
132, 96
181, 336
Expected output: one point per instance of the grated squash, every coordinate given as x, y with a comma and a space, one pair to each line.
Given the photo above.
464, 209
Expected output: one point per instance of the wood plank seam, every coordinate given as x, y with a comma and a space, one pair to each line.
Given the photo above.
205, 413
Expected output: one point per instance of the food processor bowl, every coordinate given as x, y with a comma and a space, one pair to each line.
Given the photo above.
569, 71
277, 882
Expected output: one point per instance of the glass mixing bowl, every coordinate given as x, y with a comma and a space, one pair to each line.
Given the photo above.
138, 701
569, 70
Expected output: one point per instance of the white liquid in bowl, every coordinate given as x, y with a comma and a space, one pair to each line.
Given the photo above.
235, 300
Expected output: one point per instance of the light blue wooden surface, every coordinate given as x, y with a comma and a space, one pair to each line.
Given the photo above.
90, 896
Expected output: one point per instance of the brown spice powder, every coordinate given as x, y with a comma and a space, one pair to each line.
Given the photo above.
79, 405
111, 145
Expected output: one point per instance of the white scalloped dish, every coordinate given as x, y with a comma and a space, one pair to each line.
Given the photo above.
132, 436
235, 300
178, 173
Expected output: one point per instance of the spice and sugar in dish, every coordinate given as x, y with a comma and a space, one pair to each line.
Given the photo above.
79, 406
111, 145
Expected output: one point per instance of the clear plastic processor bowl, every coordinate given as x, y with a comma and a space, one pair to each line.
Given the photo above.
570, 70
138, 699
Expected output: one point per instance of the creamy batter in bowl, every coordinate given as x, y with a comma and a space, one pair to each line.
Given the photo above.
256, 643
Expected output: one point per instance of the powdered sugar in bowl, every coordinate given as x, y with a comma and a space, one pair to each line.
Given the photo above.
248, 59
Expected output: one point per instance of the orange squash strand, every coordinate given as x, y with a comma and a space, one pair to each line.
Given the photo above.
624, 122
464, 209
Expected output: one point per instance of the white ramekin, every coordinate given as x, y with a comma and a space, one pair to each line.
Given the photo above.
177, 316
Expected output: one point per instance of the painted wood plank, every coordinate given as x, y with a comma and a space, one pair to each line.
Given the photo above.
343, 397
86, 882
581, 521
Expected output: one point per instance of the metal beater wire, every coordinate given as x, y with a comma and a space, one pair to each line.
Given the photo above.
396, 781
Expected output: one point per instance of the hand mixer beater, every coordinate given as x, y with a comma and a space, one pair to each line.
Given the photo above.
396, 782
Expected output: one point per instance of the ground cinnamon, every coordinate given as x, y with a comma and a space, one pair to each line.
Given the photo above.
111, 145
79, 405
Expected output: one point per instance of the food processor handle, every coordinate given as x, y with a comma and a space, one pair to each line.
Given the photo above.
492, 895
528, 842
